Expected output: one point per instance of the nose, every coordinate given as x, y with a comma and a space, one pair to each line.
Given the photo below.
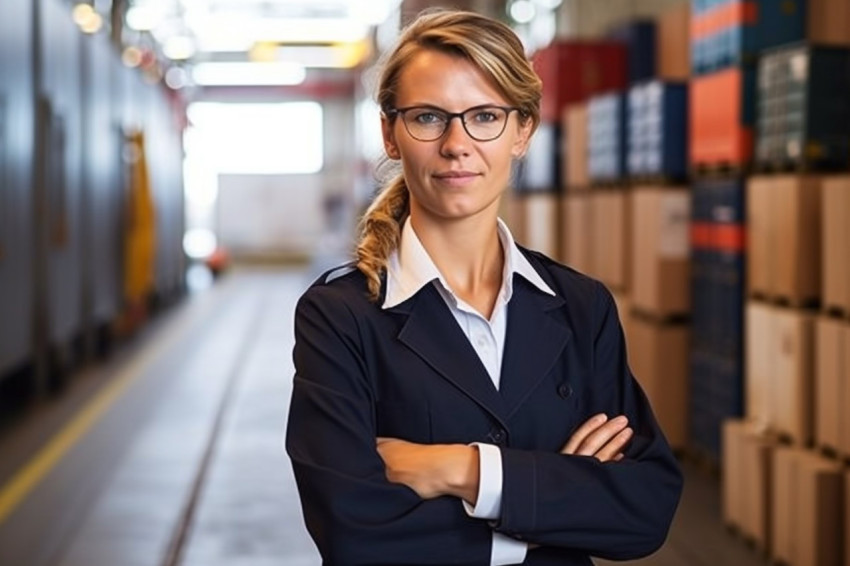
455, 141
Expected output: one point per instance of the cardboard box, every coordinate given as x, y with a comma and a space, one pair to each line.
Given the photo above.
829, 22
673, 41
780, 365
844, 403
758, 376
830, 372
658, 357
512, 211
574, 148
759, 244
577, 232
836, 243
541, 222
660, 263
793, 367
784, 214
757, 469
732, 470
807, 516
609, 244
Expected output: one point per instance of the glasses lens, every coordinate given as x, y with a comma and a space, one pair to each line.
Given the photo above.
425, 124
486, 123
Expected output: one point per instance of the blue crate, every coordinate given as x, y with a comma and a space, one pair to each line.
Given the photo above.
803, 108
639, 38
658, 130
540, 170
777, 22
606, 132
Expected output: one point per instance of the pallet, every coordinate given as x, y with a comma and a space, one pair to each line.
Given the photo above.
749, 541
706, 463
606, 184
658, 180
835, 312
777, 167
671, 319
719, 169
810, 304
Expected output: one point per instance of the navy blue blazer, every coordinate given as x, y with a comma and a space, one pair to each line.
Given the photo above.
410, 372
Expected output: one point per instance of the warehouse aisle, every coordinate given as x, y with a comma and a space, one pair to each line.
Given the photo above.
176, 457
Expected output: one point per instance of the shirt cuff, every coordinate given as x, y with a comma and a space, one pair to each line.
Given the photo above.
506, 550
488, 505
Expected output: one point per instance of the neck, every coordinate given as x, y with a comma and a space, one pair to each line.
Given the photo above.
468, 254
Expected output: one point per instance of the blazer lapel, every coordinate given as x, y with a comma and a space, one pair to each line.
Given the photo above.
534, 341
434, 335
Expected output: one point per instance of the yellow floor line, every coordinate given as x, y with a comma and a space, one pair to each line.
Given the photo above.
20, 486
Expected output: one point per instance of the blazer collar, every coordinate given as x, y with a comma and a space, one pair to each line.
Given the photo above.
534, 341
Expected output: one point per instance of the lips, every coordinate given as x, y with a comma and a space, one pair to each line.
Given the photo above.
455, 175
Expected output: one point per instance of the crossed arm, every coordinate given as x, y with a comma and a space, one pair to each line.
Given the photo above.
433, 470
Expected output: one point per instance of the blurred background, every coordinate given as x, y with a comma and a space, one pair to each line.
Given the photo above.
174, 173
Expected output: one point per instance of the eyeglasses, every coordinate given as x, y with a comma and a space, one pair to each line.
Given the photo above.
427, 123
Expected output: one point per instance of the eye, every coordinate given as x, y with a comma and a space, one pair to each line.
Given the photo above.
427, 117
486, 115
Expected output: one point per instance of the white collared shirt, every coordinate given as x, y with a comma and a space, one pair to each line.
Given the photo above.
408, 270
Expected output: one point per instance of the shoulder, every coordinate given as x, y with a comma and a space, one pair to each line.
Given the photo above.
568, 283
338, 291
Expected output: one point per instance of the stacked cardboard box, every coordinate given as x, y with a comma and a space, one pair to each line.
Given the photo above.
747, 477
780, 365
836, 243
784, 220
660, 239
807, 514
658, 340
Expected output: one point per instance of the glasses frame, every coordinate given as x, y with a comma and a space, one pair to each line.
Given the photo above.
393, 112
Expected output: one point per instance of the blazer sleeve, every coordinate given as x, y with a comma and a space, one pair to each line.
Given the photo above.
616, 510
354, 514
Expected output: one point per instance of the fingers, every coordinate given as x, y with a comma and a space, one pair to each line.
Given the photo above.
579, 436
600, 437
613, 449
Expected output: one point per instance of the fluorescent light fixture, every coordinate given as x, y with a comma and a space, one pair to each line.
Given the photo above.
338, 56
142, 18
236, 32
179, 48
248, 74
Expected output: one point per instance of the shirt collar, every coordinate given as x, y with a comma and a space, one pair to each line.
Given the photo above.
409, 268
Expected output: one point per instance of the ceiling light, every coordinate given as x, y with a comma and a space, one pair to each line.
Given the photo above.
142, 18
132, 57
81, 13
179, 48
176, 78
522, 11
248, 74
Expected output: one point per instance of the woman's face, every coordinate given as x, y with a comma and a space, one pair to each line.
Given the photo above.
454, 176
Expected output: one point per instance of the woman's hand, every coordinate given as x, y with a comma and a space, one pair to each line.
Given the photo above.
601, 438
432, 470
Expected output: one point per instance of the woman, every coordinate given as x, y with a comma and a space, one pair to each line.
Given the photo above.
453, 391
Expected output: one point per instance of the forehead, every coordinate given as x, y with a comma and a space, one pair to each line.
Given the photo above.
448, 81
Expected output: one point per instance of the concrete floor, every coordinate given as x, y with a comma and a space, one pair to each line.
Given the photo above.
171, 453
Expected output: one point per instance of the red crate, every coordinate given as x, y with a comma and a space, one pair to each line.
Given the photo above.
572, 71
721, 118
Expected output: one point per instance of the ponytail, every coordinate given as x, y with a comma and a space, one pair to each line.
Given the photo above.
380, 232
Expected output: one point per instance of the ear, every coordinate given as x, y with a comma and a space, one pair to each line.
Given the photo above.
390, 145
520, 145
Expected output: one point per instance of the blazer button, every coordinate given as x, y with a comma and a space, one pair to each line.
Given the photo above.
565, 391
498, 435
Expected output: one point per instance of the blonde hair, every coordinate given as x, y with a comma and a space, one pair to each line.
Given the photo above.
489, 45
